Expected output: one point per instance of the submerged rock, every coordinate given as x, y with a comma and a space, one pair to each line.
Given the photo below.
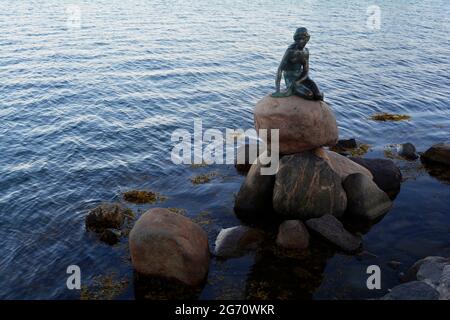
342, 165
415, 290
106, 215
110, 236
168, 245
385, 173
306, 187
303, 124
254, 199
439, 153
237, 241
364, 199
292, 234
332, 230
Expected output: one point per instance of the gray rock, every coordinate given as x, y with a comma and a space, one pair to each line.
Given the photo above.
386, 174
444, 284
428, 269
439, 153
106, 215
431, 270
237, 241
255, 195
306, 187
292, 234
408, 151
415, 290
332, 229
364, 199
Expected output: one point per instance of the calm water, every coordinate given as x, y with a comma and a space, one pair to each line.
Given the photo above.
86, 114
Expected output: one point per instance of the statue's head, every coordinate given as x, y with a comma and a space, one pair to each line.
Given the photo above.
301, 36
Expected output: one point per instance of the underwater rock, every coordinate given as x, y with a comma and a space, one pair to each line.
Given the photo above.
342, 165
306, 187
364, 199
439, 153
303, 124
386, 174
254, 199
106, 215
332, 230
237, 241
168, 245
415, 290
110, 236
292, 234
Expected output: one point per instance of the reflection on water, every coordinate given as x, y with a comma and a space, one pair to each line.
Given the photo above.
87, 113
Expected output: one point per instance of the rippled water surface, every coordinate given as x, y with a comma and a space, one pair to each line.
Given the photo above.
87, 113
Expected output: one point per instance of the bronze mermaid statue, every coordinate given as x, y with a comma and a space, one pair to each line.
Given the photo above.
295, 68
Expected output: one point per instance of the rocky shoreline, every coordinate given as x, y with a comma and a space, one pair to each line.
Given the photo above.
316, 193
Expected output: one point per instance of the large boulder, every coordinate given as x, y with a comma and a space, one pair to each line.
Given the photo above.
439, 153
332, 230
385, 173
292, 234
237, 241
342, 165
168, 245
306, 187
254, 198
303, 124
364, 199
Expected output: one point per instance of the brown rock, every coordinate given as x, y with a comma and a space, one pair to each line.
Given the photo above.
292, 234
254, 198
168, 245
306, 187
342, 165
303, 124
439, 153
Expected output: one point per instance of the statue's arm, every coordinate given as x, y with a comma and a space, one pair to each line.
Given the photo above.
305, 69
280, 70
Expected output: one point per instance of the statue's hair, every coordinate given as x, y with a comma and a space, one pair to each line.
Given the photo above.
302, 31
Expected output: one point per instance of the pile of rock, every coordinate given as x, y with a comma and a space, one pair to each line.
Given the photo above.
313, 185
